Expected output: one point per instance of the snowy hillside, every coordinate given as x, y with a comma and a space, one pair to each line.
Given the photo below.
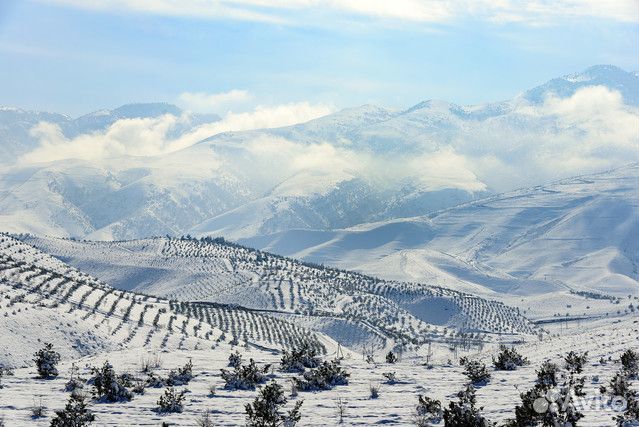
46, 300
178, 175
574, 236
354, 310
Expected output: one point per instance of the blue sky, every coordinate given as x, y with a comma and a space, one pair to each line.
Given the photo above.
73, 56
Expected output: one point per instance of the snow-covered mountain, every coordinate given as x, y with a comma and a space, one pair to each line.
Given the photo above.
571, 237
355, 166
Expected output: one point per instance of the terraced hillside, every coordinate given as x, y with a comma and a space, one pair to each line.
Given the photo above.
43, 299
352, 308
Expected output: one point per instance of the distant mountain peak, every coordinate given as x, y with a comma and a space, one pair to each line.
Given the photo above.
611, 76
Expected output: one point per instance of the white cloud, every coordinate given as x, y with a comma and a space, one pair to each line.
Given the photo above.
151, 136
220, 103
296, 11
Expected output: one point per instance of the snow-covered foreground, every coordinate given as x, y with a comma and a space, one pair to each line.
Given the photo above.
394, 406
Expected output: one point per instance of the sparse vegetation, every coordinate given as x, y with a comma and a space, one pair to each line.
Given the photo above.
244, 377
46, 360
427, 411
265, 411
74, 414
464, 412
630, 363
171, 401
508, 359
476, 371
297, 360
324, 377
107, 386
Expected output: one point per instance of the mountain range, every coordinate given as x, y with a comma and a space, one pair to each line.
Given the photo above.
355, 166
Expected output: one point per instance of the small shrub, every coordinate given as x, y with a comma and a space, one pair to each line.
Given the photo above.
244, 377
547, 374
464, 413
476, 371
46, 360
630, 363
575, 362
150, 363
428, 411
391, 357
205, 420
298, 360
235, 359
508, 359
324, 377
107, 386
171, 401
341, 410
265, 409
38, 410
182, 376
391, 378
75, 382
74, 414
374, 391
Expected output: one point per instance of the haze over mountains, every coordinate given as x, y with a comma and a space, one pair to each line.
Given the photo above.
358, 165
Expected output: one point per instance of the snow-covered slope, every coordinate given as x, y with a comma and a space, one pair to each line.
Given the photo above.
575, 235
45, 300
351, 308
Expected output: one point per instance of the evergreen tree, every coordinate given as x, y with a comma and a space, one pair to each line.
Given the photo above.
74, 414
265, 409
46, 360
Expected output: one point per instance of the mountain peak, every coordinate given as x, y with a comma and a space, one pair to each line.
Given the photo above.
610, 76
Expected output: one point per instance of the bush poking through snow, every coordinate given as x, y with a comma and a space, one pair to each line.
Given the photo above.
324, 377
464, 412
107, 386
244, 377
265, 409
391, 378
46, 360
74, 414
374, 389
575, 362
171, 401
75, 382
630, 363
297, 360
38, 410
476, 371
551, 401
235, 359
428, 411
205, 420
391, 357
509, 359
341, 410
547, 374
182, 376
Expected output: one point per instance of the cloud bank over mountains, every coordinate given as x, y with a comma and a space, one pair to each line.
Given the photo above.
300, 165
155, 135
